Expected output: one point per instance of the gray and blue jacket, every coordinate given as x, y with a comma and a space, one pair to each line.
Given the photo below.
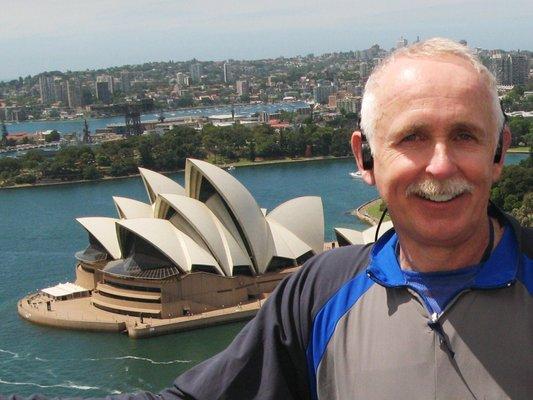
346, 327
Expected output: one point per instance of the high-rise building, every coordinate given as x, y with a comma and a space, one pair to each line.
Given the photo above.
125, 81
109, 80
500, 68
242, 87
228, 73
510, 69
182, 79
364, 70
46, 85
519, 68
60, 90
4, 132
102, 92
196, 72
349, 105
73, 94
322, 91
402, 42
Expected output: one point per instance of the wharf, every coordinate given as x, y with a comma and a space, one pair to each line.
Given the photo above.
80, 314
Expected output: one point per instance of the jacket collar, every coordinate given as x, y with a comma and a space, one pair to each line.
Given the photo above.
498, 271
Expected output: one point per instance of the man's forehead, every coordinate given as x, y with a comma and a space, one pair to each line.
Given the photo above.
408, 79
408, 73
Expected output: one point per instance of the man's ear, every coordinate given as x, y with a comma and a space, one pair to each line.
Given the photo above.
367, 175
506, 141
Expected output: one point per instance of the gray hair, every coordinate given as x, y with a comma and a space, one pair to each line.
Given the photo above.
425, 49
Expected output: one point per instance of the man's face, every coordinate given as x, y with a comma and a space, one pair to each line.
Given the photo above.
435, 125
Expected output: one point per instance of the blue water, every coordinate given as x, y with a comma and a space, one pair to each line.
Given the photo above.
38, 237
69, 126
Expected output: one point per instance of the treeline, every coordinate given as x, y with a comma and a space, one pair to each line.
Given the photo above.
169, 151
514, 191
522, 131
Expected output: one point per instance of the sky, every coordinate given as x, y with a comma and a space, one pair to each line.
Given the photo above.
47, 35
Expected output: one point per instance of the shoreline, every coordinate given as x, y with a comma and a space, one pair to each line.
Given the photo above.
362, 213
155, 112
519, 150
236, 165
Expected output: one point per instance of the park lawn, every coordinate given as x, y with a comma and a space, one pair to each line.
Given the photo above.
373, 210
521, 149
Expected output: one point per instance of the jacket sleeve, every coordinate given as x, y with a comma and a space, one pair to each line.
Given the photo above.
267, 360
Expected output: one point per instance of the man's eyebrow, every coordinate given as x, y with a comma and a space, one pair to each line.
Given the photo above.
414, 127
466, 126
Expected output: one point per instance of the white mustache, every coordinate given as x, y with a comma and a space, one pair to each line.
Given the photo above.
436, 190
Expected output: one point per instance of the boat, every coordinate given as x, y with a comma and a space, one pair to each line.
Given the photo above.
230, 168
356, 174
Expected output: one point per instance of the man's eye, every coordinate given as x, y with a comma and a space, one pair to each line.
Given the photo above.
412, 137
465, 136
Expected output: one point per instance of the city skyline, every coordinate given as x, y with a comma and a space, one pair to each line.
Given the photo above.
37, 37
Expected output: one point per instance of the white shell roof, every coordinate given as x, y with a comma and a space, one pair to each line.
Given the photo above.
367, 236
129, 208
370, 233
103, 229
352, 236
286, 243
211, 231
156, 183
177, 246
243, 206
304, 217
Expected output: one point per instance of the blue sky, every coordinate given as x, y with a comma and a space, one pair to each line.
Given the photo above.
44, 35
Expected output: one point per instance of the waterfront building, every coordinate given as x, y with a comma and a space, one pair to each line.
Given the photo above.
263, 117
109, 80
192, 256
102, 92
73, 94
46, 85
60, 90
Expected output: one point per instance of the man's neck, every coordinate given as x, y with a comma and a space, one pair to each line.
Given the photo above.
433, 258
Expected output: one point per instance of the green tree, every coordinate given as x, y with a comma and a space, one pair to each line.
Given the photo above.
90, 172
524, 213
52, 137
516, 181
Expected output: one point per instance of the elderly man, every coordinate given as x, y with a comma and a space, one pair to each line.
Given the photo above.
441, 306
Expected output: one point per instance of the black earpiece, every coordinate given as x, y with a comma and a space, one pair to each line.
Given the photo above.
368, 160
499, 148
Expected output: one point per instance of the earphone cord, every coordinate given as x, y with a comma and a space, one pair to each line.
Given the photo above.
379, 224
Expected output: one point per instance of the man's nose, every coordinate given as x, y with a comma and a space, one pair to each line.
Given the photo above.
442, 163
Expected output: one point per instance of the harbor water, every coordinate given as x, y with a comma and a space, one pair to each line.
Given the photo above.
38, 238
76, 125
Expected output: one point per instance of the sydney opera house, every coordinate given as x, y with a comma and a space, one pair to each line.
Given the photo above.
194, 255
